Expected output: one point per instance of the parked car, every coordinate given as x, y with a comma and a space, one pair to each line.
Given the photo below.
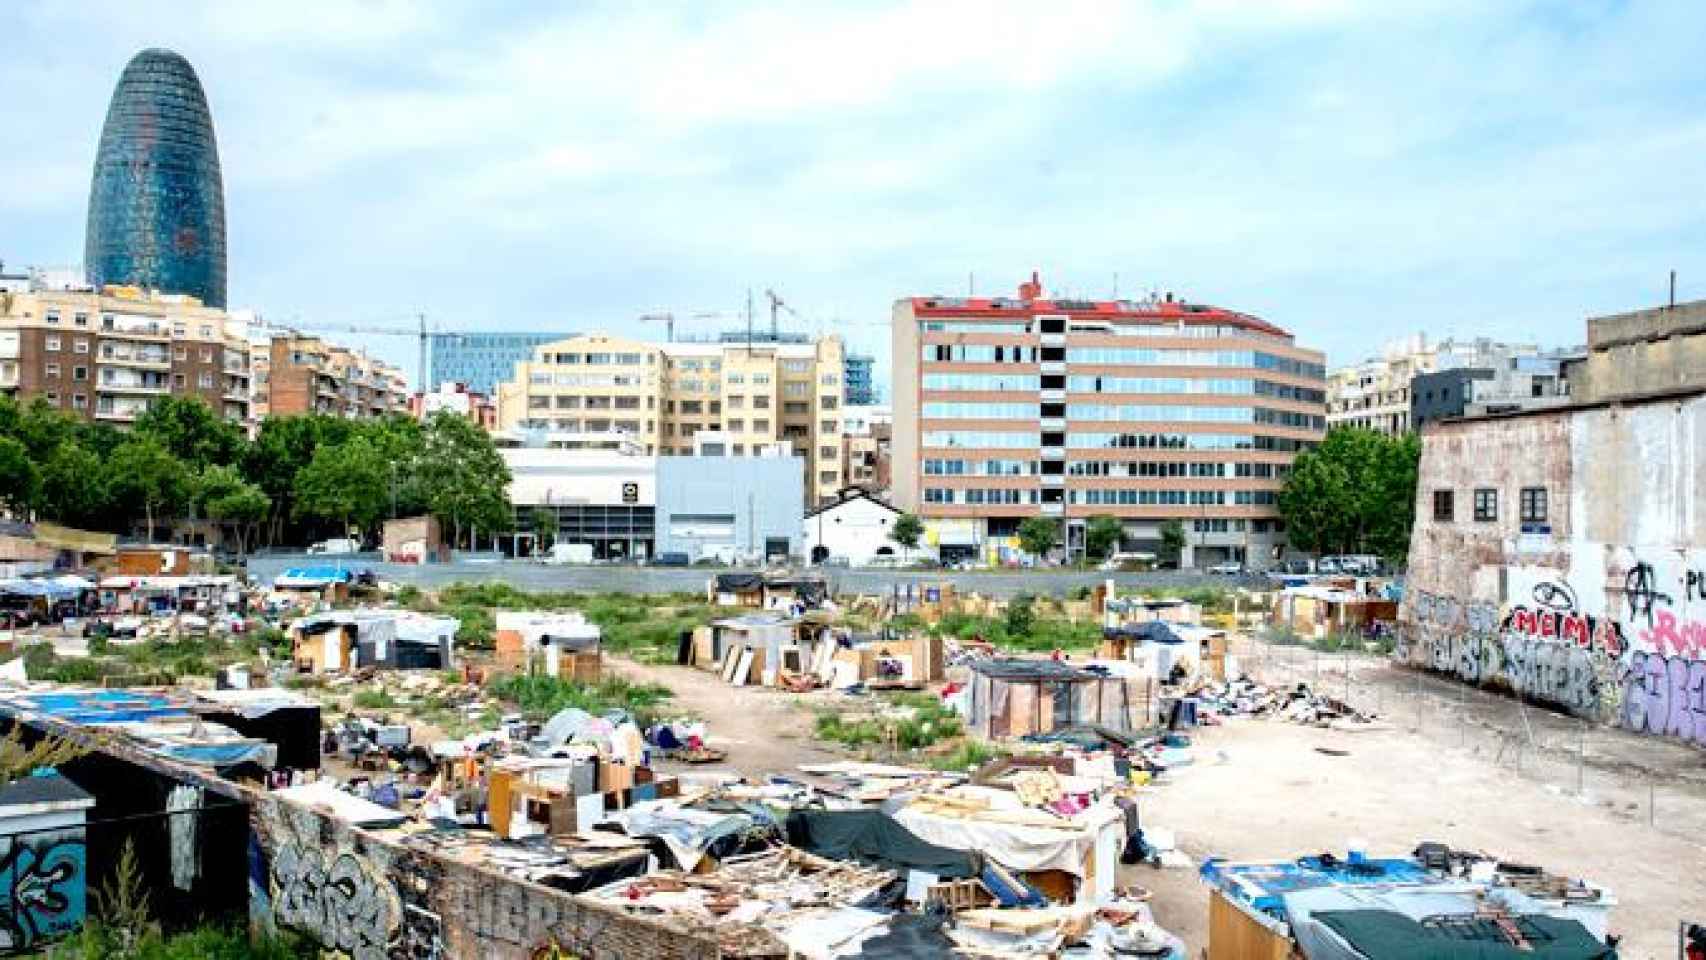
671, 558
335, 545
1128, 560
1230, 568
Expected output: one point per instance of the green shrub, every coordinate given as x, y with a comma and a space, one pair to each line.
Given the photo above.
99, 941
540, 696
970, 754
373, 699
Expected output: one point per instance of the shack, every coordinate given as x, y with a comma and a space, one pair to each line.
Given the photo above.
167, 594
767, 591
413, 540
1318, 609
1160, 648
341, 640
330, 584
1011, 697
287, 720
565, 645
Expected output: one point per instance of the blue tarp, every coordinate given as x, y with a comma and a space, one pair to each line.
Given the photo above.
307, 576
1264, 886
104, 706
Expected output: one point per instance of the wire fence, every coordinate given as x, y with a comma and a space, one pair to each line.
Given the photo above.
1647, 780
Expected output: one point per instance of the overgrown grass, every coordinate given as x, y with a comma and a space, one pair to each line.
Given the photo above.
540, 696
1041, 633
373, 699
969, 755
925, 722
646, 626
98, 941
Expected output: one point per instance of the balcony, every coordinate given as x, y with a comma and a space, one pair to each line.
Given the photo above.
117, 415
141, 387
123, 328
127, 358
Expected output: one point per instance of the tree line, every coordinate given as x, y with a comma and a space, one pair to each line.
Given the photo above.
299, 478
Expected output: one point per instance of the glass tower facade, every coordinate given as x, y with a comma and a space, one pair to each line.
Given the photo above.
861, 389
157, 201
482, 360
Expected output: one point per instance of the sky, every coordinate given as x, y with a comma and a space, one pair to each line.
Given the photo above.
1352, 171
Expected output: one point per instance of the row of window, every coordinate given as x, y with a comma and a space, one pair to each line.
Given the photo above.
1163, 413
977, 353
1022, 382
108, 322
1018, 327
979, 496
1164, 356
1199, 470
979, 468
1183, 441
1290, 418
1531, 505
600, 359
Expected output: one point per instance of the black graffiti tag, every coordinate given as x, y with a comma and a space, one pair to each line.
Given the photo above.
1554, 595
1640, 591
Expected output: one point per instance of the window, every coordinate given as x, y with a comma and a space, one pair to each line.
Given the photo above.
51, 343
761, 403
80, 345
737, 402
206, 330
80, 401
827, 426
1486, 504
52, 317
827, 452
737, 426
1444, 510
53, 370
736, 378
81, 320
205, 381
760, 426
1533, 504
206, 354
79, 373
177, 381
828, 403
180, 353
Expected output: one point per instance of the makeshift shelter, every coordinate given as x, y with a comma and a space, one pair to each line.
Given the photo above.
1158, 646
287, 720
320, 583
874, 838
342, 640
1318, 609
564, 644
169, 594
1016, 698
767, 592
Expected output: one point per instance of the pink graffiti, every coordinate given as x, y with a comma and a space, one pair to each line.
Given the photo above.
1681, 639
1582, 630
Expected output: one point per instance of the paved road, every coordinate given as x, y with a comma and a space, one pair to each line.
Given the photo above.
623, 579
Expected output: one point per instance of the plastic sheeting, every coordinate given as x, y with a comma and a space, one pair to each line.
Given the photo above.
873, 837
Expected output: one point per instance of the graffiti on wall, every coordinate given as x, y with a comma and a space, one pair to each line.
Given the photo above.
338, 897
1621, 640
44, 877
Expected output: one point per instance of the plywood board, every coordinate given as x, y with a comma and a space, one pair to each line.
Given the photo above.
1235, 935
731, 661
743, 668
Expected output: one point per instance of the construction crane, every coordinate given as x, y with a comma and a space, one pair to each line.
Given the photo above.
776, 303
420, 332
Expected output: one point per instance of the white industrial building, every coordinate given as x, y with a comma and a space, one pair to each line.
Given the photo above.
856, 527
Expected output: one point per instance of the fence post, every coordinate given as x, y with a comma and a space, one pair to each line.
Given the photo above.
1581, 755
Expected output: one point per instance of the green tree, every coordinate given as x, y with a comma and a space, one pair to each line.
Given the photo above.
74, 486
1173, 540
464, 479
1038, 535
1102, 535
225, 496
544, 523
283, 446
907, 531
191, 431
1355, 493
20, 479
345, 482
142, 474
1021, 615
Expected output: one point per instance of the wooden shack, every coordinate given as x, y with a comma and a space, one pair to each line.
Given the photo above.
1011, 697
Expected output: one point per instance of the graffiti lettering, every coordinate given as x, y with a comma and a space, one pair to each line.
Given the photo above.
1640, 591
1666, 696
45, 883
1568, 627
1670, 636
1694, 586
1552, 673
345, 905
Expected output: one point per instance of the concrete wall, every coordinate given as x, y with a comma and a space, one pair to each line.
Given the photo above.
1601, 610
370, 899
1643, 351
762, 497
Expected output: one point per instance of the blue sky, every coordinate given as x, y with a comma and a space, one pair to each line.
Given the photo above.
1352, 171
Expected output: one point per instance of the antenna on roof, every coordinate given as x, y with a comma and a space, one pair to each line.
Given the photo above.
1673, 289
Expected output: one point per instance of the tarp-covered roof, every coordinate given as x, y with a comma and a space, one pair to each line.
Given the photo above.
1012, 668
873, 837
312, 577
1389, 935
1150, 631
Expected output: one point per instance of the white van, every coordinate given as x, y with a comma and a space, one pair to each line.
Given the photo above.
566, 553
1120, 560
336, 545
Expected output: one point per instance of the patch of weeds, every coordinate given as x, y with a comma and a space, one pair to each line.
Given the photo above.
540, 696
373, 699
970, 754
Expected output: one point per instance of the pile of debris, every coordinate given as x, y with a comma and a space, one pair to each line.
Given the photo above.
1300, 704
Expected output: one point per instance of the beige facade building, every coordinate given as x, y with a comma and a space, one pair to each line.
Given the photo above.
297, 373
663, 394
108, 355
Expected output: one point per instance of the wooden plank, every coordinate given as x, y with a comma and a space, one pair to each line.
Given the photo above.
1235, 935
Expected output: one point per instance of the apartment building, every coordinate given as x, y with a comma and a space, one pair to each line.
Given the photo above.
757, 395
1149, 411
866, 432
107, 355
1413, 381
299, 373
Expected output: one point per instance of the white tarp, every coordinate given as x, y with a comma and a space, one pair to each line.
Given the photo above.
1020, 847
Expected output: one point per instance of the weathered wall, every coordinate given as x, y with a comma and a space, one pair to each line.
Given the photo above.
1604, 614
371, 898
1647, 350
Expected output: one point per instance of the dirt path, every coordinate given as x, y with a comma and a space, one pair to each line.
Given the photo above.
1274, 795
765, 731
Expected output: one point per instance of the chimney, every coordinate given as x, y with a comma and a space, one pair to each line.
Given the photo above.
1032, 290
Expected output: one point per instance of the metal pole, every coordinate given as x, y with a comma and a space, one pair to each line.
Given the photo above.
1652, 803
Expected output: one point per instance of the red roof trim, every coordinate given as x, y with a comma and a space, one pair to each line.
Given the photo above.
987, 307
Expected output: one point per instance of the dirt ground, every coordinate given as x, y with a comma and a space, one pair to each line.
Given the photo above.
1260, 789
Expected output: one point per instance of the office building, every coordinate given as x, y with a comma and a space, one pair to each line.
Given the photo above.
603, 495
304, 374
861, 387
1151, 411
109, 355
745, 509
1380, 393
157, 200
661, 395
481, 361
